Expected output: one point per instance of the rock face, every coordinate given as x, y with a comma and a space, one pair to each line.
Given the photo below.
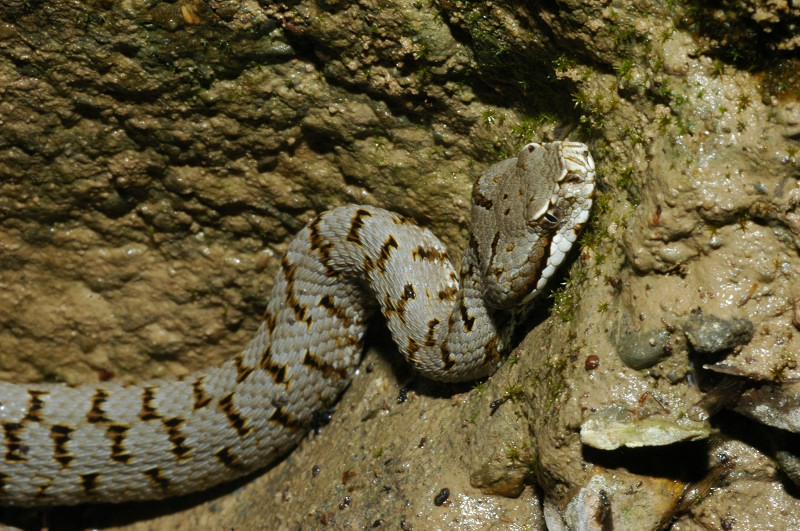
154, 158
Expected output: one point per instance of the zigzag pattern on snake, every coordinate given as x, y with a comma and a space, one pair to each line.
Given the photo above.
109, 442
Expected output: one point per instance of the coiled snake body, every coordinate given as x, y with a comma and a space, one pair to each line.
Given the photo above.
110, 443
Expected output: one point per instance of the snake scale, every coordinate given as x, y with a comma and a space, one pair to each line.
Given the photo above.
110, 442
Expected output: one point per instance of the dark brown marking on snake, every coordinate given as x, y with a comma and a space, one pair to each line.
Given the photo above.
430, 339
41, 489
472, 243
412, 347
357, 222
493, 247
61, 436
228, 458
89, 483
474, 248
448, 293
157, 478
369, 266
242, 370
149, 410
269, 321
408, 292
277, 371
201, 400
117, 434
468, 321
390, 308
96, 413
327, 302
491, 354
321, 246
354, 341
403, 220
177, 439
3, 483
284, 419
313, 362
531, 281
288, 271
481, 200
447, 360
35, 405
385, 252
235, 419
422, 253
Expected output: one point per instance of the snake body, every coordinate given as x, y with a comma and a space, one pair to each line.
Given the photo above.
109, 442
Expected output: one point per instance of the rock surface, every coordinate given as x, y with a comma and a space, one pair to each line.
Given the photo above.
155, 157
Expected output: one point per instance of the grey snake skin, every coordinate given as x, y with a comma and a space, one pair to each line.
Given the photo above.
108, 442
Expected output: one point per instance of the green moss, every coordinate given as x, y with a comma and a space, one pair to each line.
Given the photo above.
514, 392
626, 177
624, 70
664, 123
512, 453
556, 383
562, 63
565, 302
742, 102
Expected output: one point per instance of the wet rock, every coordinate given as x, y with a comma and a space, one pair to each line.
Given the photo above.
499, 457
774, 406
617, 499
614, 427
645, 349
789, 464
590, 509
709, 334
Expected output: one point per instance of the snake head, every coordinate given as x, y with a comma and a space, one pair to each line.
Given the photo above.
528, 213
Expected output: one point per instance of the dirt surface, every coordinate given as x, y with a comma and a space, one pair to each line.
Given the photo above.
155, 157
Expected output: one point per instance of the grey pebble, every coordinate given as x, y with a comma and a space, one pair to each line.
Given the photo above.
644, 349
709, 334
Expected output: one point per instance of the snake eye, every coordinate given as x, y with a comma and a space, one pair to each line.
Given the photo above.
552, 218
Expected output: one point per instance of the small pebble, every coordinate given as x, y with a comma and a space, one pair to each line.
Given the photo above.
345, 503
402, 396
644, 349
441, 497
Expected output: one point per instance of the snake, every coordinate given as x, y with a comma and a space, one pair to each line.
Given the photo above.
112, 442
